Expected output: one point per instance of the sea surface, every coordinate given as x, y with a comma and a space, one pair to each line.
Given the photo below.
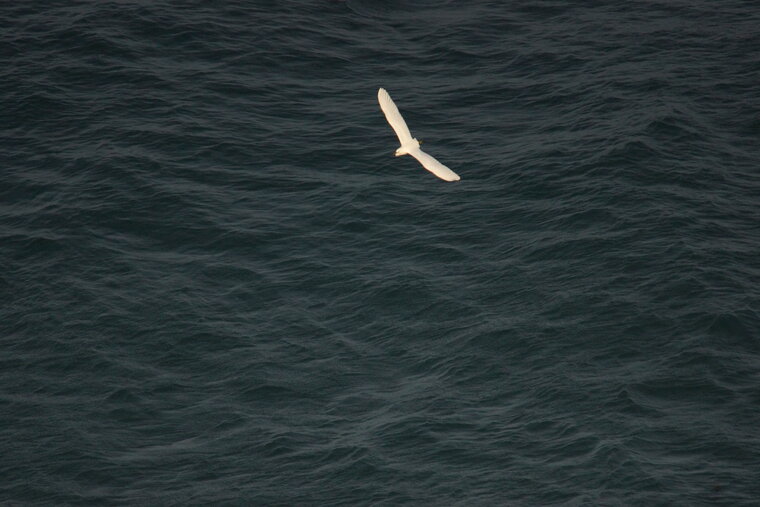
218, 286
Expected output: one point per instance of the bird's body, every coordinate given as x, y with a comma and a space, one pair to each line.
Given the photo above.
410, 145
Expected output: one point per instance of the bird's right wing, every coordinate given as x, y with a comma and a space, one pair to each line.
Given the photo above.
393, 116
432, 165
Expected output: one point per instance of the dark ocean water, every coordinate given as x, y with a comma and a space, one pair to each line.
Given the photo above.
219, 286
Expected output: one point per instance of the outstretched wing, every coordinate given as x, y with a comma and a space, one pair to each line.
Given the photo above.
393, 116
434, 166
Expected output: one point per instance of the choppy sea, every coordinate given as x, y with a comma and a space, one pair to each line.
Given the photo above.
218, 286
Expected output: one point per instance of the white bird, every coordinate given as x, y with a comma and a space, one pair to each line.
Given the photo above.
410, 145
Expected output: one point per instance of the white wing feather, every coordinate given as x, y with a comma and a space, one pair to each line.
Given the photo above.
393, 116
432, 165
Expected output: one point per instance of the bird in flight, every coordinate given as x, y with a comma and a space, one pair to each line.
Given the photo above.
410, 145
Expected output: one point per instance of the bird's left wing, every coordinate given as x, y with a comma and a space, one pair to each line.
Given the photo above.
393, 116
432, 165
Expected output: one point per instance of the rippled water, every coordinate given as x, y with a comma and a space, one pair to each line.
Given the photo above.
220, 286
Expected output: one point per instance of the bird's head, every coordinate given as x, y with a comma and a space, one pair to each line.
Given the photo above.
404, 148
